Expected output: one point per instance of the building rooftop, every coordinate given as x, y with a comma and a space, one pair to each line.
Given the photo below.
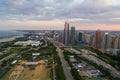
83, 74
35, 54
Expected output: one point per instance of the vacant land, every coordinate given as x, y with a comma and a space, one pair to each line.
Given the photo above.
20, 72
16, 72
39, 73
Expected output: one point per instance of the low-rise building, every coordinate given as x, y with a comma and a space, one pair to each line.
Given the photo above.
35, 54
29, 42
15, 61
83, 74
93, 73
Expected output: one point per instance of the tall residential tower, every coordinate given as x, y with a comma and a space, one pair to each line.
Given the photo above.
98, 39
72, 36
66, 33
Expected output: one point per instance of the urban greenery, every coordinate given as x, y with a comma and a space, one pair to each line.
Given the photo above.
112, 60
100, 67
74, 71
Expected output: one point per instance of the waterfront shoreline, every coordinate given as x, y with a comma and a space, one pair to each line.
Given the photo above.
6, 39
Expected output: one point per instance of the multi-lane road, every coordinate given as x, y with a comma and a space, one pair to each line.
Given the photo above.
85, 54
65, 65
115, 73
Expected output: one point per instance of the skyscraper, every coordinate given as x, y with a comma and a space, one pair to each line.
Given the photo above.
117, 42
66, 33
80, 35
91, 40
72, 35
98, 39
106, 41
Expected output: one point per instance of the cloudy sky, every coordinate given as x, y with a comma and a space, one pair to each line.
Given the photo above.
51, 14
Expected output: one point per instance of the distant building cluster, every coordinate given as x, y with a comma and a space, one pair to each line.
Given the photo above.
73, 37
70, 36
107, 42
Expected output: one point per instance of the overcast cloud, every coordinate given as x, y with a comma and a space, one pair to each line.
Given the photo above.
81, 11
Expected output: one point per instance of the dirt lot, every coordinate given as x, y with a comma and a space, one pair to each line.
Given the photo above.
16, 72
21, 72
40, 72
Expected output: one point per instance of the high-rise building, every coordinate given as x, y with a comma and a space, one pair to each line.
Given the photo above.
91, 43
64, 36
106, 41
72, 36
98, 39
87, 38
66, 33
112, 41
80, 37
117, 42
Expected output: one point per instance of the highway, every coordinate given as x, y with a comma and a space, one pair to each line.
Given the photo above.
53, 66
85, 54
115, 73
8, 57
45, 45
65, 65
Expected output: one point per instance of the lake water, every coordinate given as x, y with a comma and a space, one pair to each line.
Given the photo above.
10, 32
13, 34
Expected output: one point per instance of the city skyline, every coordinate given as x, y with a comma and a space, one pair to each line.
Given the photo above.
67, 54
51, 14
59, 39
